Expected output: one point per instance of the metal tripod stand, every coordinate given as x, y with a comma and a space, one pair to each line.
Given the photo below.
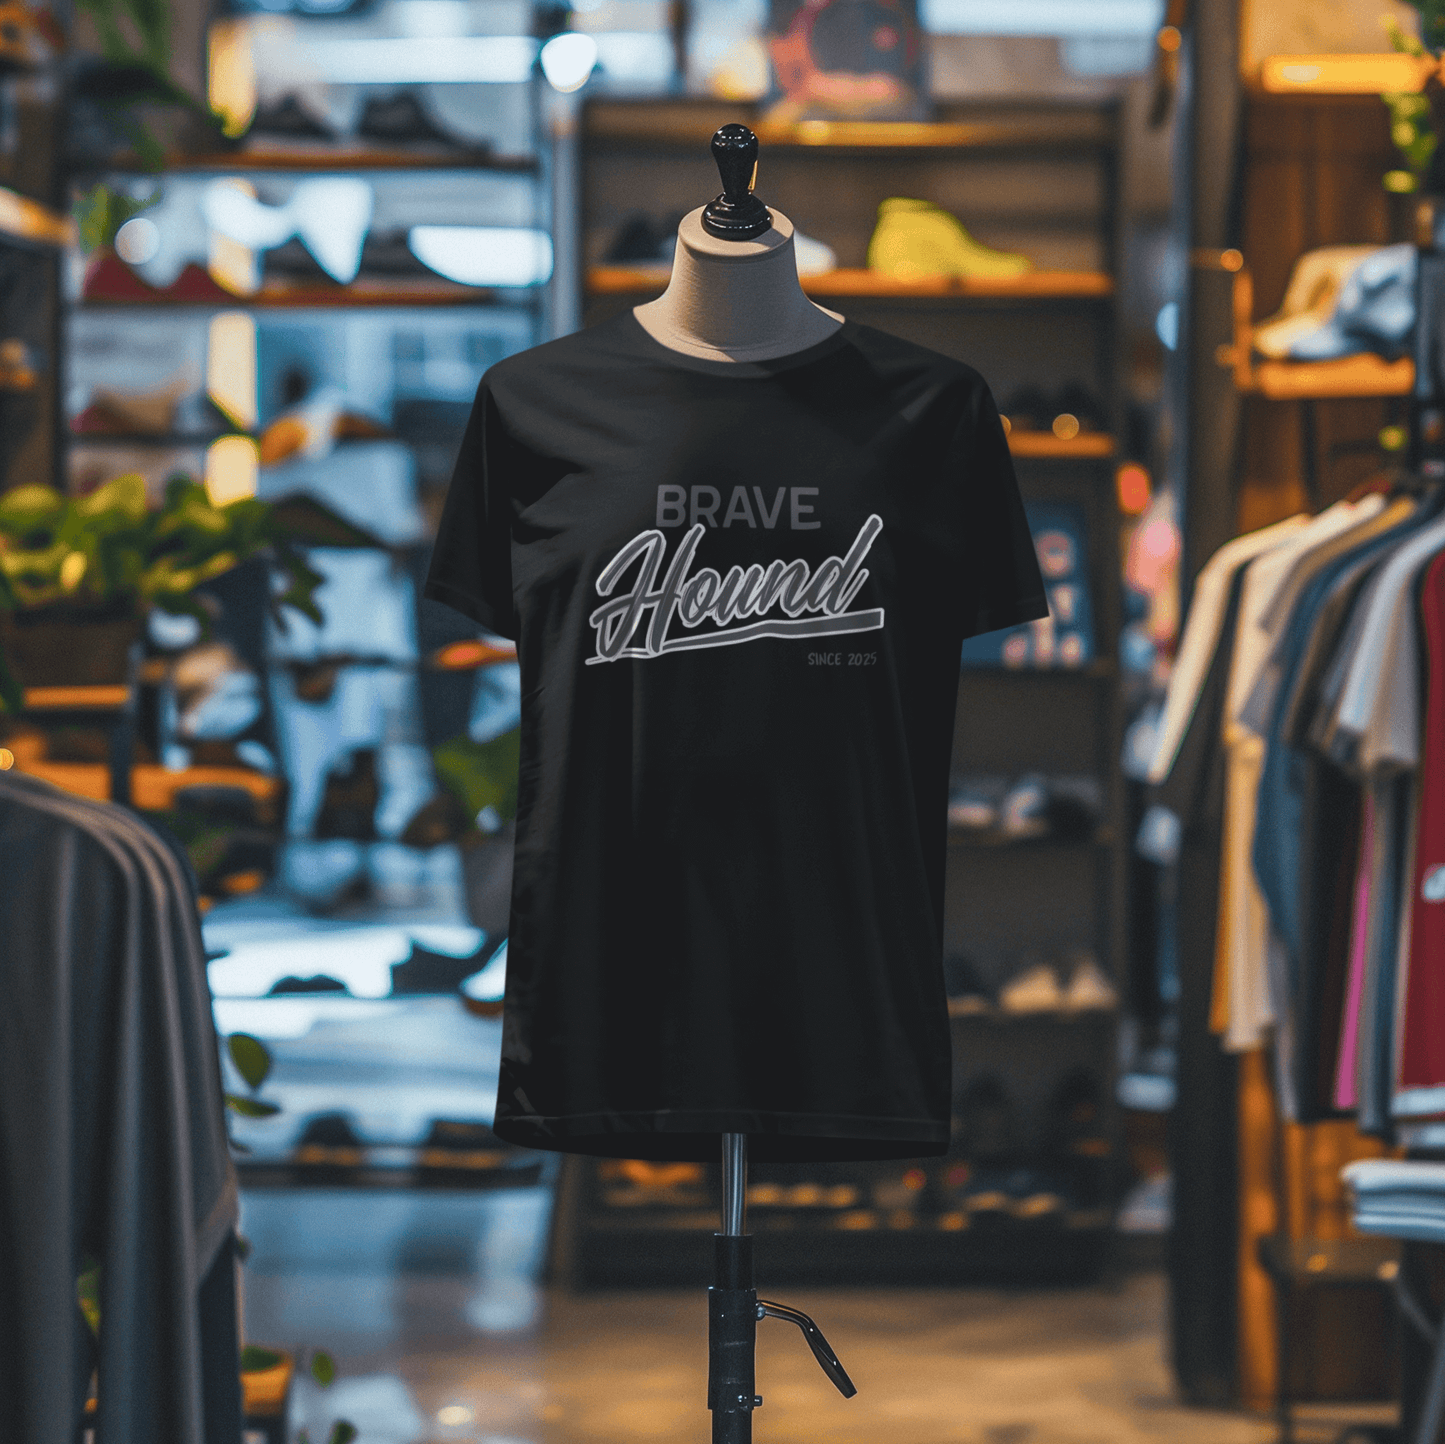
734, 1310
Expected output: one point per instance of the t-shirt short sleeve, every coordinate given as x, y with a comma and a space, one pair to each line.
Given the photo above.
471, 567
1002, 585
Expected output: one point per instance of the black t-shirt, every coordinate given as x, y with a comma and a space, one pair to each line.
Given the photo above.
738, 593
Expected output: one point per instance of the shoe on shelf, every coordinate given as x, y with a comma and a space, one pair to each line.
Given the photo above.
402, 119
1037, 1196
389, 254
329, 1148
974, 802
1034, 989
1089, 990
289, 118
1024, 813
1076, 800
137, 413
914, 240
1077, 1137
985, 1195
294, 264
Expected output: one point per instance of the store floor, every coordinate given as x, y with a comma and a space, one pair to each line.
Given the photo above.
431, 1306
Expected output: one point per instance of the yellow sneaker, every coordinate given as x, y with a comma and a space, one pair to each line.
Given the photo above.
915, 239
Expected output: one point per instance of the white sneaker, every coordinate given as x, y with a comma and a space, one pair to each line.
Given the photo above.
1035, 990
1089, 989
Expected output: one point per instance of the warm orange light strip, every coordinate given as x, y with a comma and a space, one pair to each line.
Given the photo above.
845, 282
1343, 74
31, 221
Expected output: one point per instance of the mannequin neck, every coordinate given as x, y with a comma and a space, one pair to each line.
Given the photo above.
735, 300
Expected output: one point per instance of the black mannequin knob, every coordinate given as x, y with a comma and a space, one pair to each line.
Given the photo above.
737, 214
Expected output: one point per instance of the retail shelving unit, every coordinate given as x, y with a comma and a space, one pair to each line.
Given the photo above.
1033, 178
1269, 438
117, 299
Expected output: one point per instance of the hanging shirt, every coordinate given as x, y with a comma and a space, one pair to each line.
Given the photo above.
1292, 801
739, 593
1421, 1085
1271, 585
1207, 609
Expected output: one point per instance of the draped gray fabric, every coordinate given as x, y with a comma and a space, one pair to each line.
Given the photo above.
112, 1131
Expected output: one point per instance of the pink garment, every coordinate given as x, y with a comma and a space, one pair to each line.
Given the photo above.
1346, 1070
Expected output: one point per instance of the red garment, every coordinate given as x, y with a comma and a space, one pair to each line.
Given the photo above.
1422, 1036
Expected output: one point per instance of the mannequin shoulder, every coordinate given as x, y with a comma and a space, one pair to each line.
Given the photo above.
884, 349
567, 359
905, 363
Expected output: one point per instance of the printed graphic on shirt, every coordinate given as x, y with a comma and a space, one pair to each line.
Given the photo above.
639, 622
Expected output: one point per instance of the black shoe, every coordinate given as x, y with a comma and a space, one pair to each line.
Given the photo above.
293, 263
1078, 1140
387, 254
289, 118
401, 119
426, 972
328, 1151
348, 805
457, 1154
639, 242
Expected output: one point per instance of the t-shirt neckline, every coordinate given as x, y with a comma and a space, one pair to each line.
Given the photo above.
735, 370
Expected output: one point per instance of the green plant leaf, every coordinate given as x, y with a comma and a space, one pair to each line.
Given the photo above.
323, 1368
251, 1107
251, 1057
343, 1431
255, 1358
481, 774
87, 1293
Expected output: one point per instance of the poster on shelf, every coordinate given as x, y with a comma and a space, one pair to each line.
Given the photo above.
1065, 638
846, 60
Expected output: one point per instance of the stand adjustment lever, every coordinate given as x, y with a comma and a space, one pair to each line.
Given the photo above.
822, 1351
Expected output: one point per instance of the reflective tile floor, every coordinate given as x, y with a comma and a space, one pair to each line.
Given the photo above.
430, 1305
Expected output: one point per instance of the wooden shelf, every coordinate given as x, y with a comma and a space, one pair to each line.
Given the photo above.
27, 221
333, 159
1343, 74
77, 699
148, 438
1350, 376
1086, 445
860, 283
690, 126
1347, 377
276, 296
153, 788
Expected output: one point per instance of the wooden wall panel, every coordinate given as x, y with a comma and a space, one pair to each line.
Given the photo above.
1311, 177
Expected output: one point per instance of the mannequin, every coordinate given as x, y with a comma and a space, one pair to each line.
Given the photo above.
708, 479
736, 299
734, 295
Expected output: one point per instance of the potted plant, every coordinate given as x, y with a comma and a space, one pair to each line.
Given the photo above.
79, 574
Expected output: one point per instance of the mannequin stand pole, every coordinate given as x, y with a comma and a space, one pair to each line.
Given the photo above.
734, 1310
732, 1307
